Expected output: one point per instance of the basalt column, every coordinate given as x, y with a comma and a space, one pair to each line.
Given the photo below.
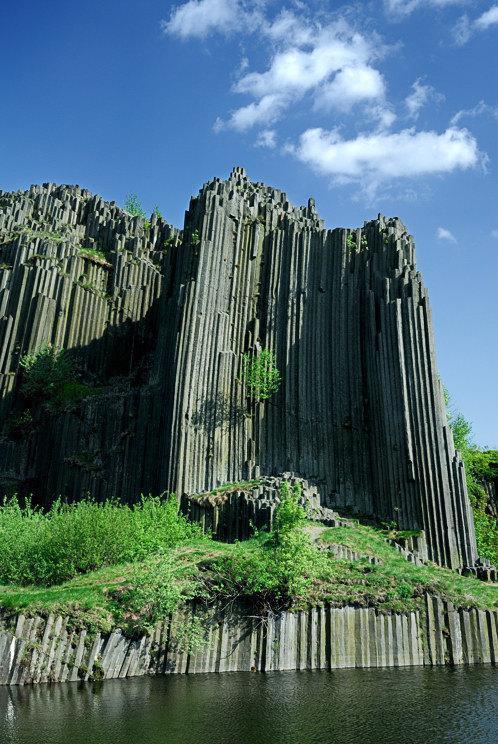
162, 320
360, 410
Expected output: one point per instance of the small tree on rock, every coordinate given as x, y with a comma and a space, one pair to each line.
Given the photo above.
261, 376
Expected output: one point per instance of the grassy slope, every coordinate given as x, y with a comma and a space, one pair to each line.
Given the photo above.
395, 571
393, 585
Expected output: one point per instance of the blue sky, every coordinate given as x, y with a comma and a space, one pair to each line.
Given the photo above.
387, 106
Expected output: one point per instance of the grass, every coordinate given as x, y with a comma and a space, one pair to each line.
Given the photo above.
92, 254
260, 572
229, 488
55, 237
400, 583
105, 565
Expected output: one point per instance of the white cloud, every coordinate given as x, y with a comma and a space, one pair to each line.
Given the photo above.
419, 97
494, 233
287, 26
465, 27
402, 8
383, 114
487, 19
384, 156
444, 234
462, 30
199, 18
333, 64
351, 85
267, 138
265, 111
296, 70
477, 110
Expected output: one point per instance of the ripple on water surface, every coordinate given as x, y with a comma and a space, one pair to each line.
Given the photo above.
405, 706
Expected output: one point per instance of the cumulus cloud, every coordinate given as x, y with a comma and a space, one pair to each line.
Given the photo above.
384, 156
444, 234
200, 18
289, 26
330, 67
351, 85
421, 94
333, 64
465, 27
267, 138
265, 111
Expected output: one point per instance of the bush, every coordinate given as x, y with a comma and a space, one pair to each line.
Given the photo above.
261, 376
289, 514
280, 569
45, 372
478, 470
156, 587
70, 539
50, 381
133, 206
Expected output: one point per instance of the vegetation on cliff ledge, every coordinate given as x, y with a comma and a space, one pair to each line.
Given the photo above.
481, 468
104, 565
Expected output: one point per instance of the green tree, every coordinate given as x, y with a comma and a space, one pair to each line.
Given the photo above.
478, 470
261, 375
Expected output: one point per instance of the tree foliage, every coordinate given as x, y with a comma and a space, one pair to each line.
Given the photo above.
478, 470
45, 372
261, 375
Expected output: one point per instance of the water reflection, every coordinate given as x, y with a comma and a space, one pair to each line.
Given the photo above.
413, 706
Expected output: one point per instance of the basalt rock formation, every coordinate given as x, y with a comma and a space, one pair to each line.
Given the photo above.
38, 649
162, 324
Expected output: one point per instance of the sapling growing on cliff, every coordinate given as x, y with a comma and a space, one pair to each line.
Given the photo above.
133, 206
261, 375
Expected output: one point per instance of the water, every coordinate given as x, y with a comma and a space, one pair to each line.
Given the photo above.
407, 706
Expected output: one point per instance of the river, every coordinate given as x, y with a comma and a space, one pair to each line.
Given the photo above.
374, 706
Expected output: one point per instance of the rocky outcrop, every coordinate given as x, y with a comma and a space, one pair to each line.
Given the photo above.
48, 650
360, 411
236, 511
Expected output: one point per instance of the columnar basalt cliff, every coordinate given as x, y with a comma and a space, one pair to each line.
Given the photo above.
164, 321
36, 650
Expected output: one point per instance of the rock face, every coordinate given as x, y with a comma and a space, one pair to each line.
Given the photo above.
360, 411
48, 650
234, 512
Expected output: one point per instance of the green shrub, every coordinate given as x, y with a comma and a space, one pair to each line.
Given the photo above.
351, 242
45, 372
477, 471
261, 375
50, 547
289, 514
133, 206
280, 568
50, 380
156, 587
